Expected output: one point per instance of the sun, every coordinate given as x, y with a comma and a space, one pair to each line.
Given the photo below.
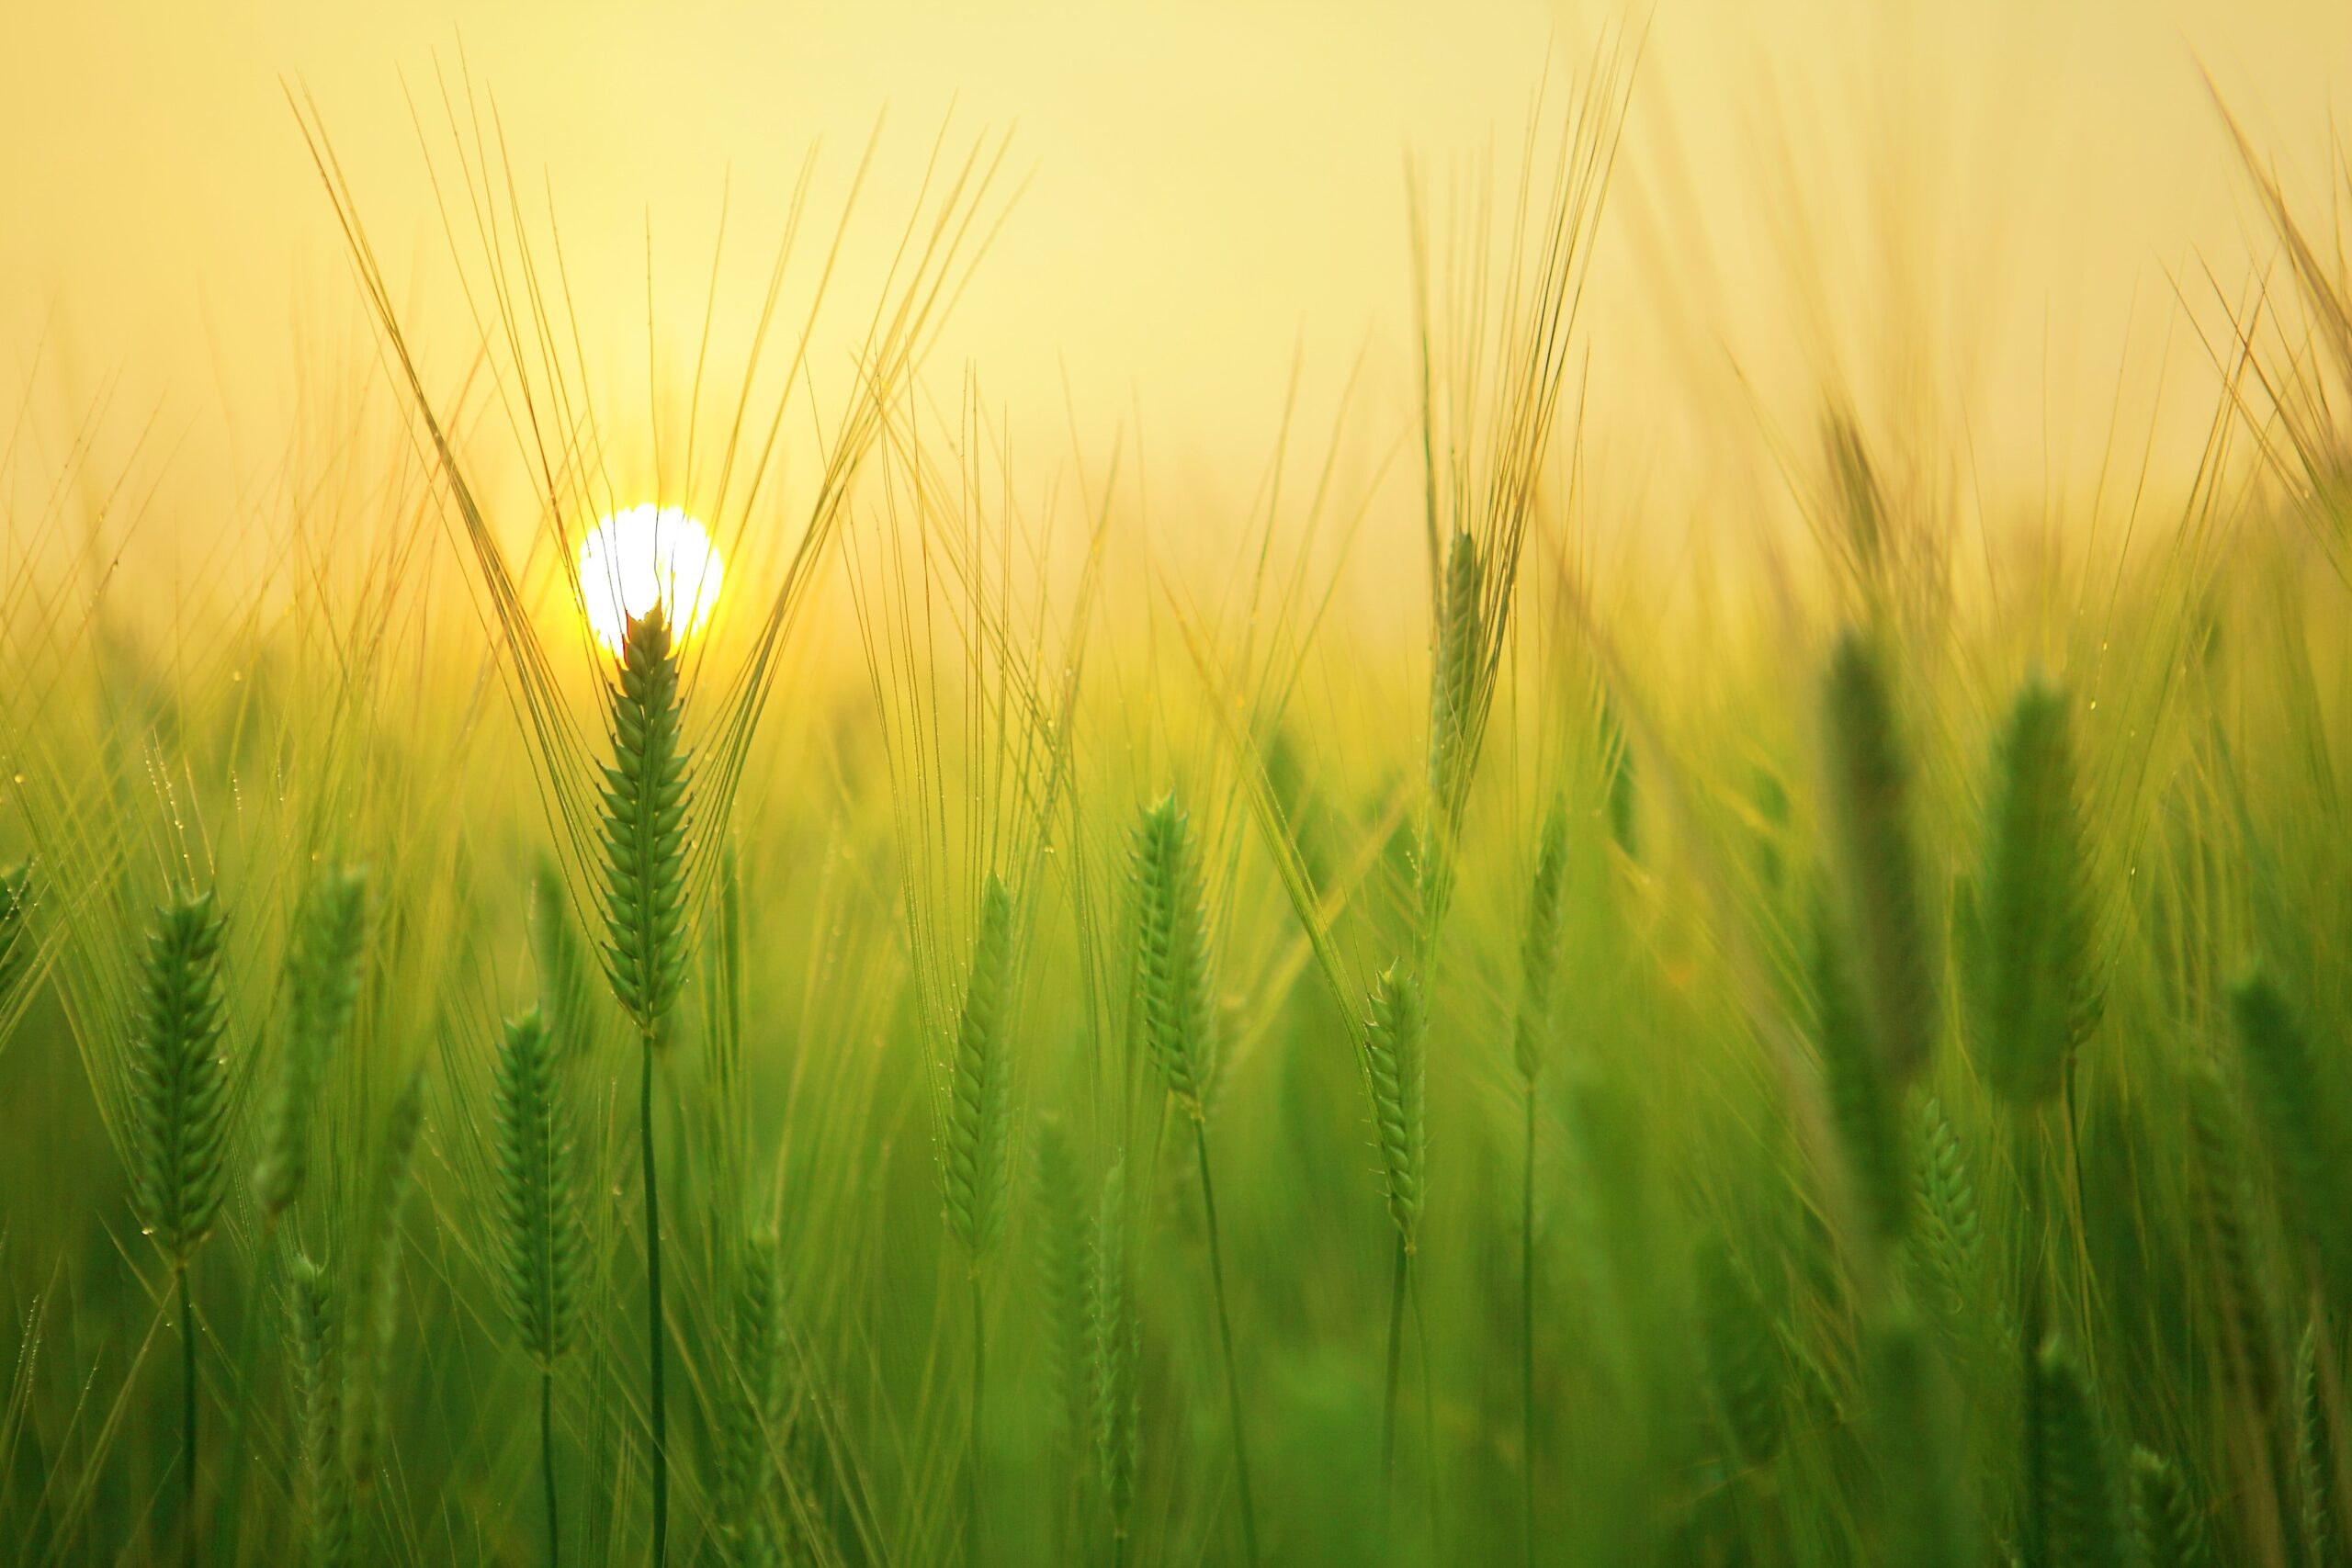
644, 556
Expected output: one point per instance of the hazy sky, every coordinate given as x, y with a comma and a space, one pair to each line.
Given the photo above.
1988, 214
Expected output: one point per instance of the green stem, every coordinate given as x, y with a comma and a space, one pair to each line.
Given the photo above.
979, 1394
654, 1310
1389, 1398
547, 1458
1225, 1329
187, 1416
1527, 1332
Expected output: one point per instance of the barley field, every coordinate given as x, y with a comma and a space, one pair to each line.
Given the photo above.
776, 968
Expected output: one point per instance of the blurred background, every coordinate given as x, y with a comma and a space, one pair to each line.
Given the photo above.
1980, 220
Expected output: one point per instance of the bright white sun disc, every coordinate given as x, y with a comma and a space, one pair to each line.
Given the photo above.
646, 556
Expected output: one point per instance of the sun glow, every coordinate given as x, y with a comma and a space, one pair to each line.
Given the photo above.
644, 556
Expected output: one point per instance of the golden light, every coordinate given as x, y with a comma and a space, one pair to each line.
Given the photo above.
644, 556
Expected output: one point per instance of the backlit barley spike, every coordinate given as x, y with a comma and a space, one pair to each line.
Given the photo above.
1453, 681
374, 1319
1117, 1350
2077, 1495
322, 971
2302, 1124
1539, 951
980, 1109
325, 1492
1172, 953
540, 1220
647, 800
1741, 1352
1870, 825
2172, 1534
179, 1083
2034, 992
1396, 1066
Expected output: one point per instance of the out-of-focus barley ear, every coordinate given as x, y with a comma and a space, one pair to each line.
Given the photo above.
323, 972
179, 1083
543, 1241
1172, 953
1539, 950
2296, 1109
2171, 1529
1062, 1240
2315, 1458
1117, 1350
753, 1406
1623, 789
325, 1488
1870, 827
374, 1318
1741, 1352
2036, 993
1396, 1067
647, 800
2077, 1495
1861, 1101
974, 1164
561, 961
1928, 1519
2219, 1177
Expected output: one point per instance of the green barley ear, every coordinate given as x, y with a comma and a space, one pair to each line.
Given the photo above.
752, 1405
2172, 1534
646, 786
1930, 1522
16, 945
180, 1082
2218, 1169
980, 1107
367, 1341
2315, 1457
1396, 1065
2077, 1498
1062, 1243
2301, 1122
325, 1493
1948, 1244
322, 993
2036, 994
538, 1213
1861, 1102
1742, 1354
1539, 951
1172, 953
1870, 825
1117, 1337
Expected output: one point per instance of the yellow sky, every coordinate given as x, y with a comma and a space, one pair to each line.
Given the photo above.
1995, 207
